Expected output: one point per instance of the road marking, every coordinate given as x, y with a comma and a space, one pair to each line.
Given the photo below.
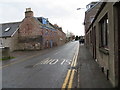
71, 80
70, 75
66, 61
45, 62
73, 61
40, 62
54, 61
66, 80
48, 61
63, 62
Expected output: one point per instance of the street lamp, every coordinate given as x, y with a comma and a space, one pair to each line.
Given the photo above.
84, 11
80, 8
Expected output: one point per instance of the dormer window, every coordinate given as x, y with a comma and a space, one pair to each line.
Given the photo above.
7, 29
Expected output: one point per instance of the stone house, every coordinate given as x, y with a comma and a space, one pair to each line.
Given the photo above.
33, 33
105, 30
61, 36
9, 35
37, 32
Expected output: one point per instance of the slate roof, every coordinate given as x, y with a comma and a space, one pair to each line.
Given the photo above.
47, 26
13, 27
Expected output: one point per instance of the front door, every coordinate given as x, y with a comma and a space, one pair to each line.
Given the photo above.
51, 43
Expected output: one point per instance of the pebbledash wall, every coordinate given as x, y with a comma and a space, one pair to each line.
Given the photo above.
37, 33
106, 40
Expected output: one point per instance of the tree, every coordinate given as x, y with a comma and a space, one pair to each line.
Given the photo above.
76, 38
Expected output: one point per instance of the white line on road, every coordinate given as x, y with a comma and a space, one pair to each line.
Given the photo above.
63, 62
54, 61
40, 62
44, 60
49, 61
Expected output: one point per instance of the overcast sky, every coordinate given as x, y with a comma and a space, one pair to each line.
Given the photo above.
61, 12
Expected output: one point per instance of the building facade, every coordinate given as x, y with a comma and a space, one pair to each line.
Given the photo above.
33, 33
92, 10
61, 36
104, 32
9, 35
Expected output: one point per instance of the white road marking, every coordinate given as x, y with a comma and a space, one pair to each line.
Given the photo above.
49, 61
40, 62
68, 61
44, 60
54, 61
63, 62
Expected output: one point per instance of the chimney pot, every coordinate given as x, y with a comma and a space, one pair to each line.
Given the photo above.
28, 9
28, 12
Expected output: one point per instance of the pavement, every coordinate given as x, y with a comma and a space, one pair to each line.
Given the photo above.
89, 72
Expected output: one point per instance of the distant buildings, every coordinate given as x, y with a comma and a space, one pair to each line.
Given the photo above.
69, 36
102, 35
33, 33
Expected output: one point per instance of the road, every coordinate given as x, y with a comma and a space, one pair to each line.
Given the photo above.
52, 69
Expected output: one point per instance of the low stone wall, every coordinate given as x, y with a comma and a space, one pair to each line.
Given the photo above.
5, 52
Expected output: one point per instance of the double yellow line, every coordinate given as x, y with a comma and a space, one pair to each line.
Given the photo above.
70, 75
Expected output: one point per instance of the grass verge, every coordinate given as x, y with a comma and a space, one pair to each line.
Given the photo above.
6, 58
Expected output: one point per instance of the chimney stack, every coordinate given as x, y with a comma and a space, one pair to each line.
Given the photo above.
28, 12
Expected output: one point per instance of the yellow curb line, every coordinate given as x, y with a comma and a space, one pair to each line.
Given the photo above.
66, 80
71, 80
74, 62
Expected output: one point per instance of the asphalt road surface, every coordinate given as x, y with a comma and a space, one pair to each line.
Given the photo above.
52, 69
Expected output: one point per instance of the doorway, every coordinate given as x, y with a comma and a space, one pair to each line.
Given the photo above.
51, 43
